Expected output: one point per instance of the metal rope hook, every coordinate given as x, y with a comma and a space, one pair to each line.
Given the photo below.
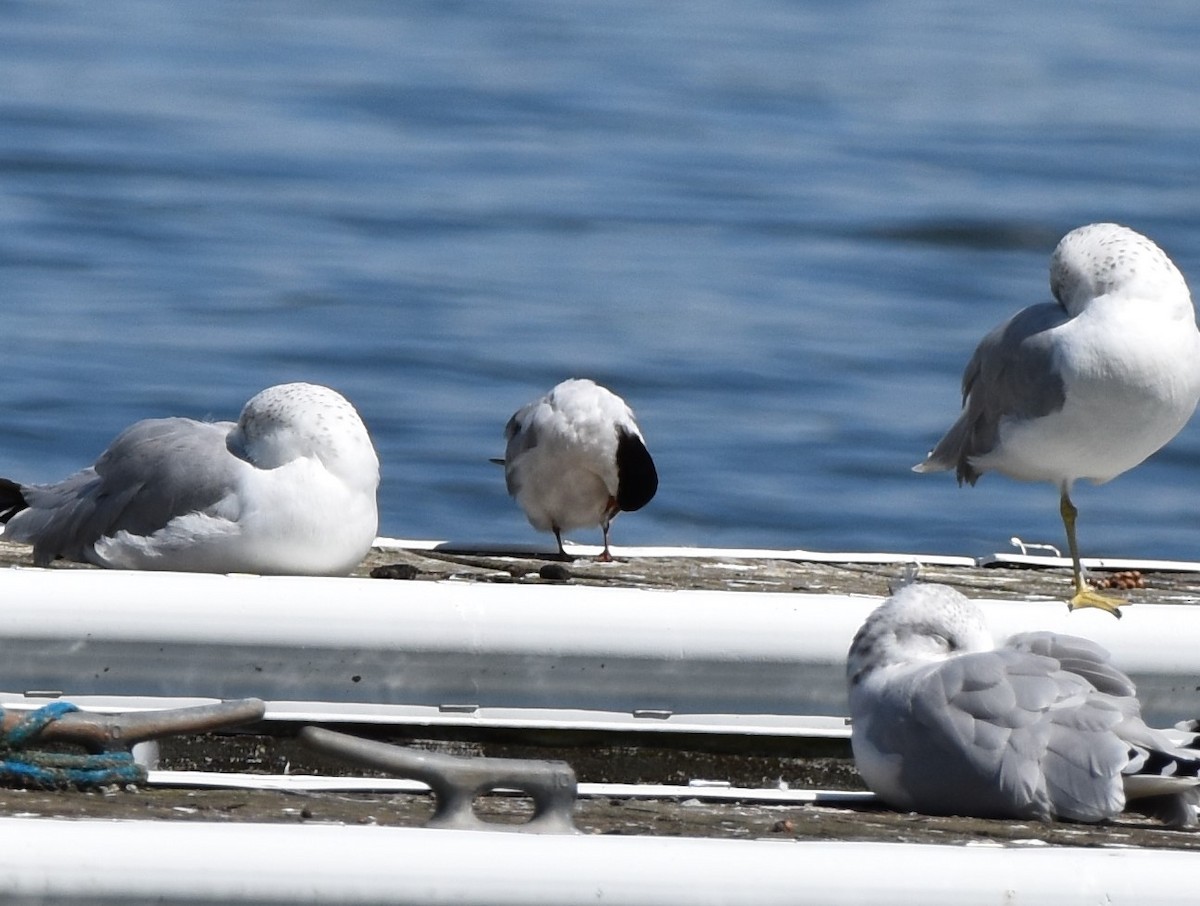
115, 732
109, 740
457, 781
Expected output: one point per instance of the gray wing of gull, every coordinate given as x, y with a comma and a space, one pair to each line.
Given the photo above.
152, 472
1156, 766
1003, 733
521, 435
1082, 657
1012, 375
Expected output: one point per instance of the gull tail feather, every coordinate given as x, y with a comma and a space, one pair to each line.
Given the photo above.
953, 452
1165, 783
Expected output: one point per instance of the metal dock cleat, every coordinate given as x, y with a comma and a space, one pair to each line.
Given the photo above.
457, 781
111, 732
108, 739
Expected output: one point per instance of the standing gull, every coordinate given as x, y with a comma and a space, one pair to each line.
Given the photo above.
576, 458
945, 723
287, 489
1087, 386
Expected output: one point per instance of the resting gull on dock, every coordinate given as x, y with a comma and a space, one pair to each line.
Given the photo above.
946, 723
287, 489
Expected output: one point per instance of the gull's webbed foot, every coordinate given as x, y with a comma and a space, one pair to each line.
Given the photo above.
1086, 597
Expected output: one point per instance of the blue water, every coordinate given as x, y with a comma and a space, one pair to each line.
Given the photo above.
777, 228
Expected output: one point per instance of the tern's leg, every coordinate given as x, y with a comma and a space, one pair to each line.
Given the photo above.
1084, 596
610, 513
606, 554
562, 551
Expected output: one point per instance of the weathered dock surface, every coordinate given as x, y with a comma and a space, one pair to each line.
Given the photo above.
825, 765
731, 572
771, 574
693, 815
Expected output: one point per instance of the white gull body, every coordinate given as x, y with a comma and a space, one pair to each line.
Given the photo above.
575, 458
1087, 386
944, 722
290, 488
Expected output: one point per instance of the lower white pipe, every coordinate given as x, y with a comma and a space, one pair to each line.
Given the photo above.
130, 862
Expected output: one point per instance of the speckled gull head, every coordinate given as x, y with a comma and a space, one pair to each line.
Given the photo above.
1105, 260
919, 623
1087, 386
290, 421
576, 458
290, 488
945, 722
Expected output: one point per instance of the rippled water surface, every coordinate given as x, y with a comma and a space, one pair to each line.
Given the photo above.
778, 229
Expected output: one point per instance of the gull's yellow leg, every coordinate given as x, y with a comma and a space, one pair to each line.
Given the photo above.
1084, 596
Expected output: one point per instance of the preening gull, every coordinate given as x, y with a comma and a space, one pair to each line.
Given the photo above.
575, 458
287, 489
1085, 387
944, 722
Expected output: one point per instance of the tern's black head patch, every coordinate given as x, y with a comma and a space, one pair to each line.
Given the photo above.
637, 479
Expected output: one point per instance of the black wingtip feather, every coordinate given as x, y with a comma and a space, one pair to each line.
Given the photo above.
12, 500
637, 479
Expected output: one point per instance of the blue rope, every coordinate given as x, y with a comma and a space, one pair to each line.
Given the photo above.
21, 765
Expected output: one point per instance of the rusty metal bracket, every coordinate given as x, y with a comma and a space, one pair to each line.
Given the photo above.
456, 781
